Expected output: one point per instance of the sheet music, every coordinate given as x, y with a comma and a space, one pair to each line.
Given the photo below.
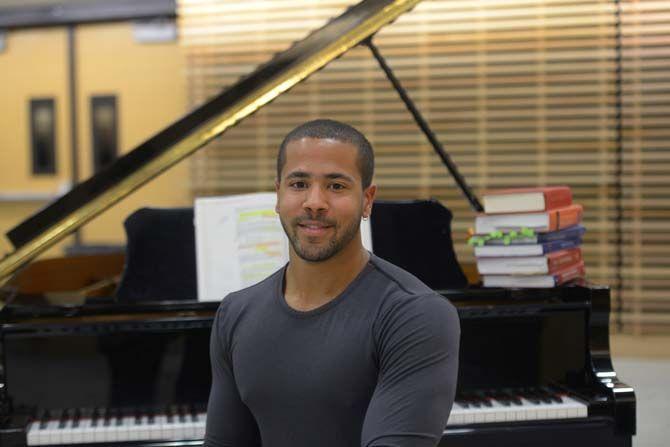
240, 241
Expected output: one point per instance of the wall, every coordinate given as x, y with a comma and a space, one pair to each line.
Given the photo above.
149, 83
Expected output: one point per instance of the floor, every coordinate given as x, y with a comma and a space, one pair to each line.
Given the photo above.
644, 363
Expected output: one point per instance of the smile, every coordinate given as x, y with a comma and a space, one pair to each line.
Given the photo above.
314, 229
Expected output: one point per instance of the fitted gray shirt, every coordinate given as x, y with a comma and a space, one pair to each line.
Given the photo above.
376, 366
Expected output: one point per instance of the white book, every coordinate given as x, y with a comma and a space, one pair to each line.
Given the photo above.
527, 265
509, 281
240, 241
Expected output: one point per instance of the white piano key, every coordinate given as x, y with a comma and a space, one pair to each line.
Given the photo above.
66, 432
51, 432
123, 433
200, 425
33, 433
527, 411
83, 432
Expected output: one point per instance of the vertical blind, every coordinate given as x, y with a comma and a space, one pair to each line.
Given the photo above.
520, 93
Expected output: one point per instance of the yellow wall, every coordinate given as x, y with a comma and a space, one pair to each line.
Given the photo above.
33, 65
149, 83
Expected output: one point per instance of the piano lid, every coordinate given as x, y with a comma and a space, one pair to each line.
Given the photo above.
93, 196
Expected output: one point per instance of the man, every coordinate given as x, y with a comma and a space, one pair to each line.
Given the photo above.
338, 348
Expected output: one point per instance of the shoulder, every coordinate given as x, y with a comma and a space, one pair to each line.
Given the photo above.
404, 281
411, 307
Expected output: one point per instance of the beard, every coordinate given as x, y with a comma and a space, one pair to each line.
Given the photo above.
322, 252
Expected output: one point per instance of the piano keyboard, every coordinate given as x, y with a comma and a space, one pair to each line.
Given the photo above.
117, 426
184, 423
513, 406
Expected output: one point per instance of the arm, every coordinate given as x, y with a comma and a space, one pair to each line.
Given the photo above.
229, 421
417, 344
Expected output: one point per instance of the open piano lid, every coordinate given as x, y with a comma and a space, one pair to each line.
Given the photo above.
182, 138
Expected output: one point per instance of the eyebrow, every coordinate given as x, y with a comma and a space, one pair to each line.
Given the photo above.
330, 176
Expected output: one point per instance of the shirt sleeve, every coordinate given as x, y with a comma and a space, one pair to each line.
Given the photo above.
229, 421
417, 344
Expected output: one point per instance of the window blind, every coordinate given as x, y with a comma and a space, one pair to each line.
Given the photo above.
520, 93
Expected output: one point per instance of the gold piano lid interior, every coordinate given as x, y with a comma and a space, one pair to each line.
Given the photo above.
182, 138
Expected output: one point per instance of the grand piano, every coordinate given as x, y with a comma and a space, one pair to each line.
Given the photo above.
535, 366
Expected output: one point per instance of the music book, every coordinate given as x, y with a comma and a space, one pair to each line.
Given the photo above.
526, 249
545, 221
561, 276
529, 265
522, 200
240, 241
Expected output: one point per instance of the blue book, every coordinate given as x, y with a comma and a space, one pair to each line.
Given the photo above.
498, 251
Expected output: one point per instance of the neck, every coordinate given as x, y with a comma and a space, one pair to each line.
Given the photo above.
309, 285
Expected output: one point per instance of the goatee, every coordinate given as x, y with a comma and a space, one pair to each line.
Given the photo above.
341, 237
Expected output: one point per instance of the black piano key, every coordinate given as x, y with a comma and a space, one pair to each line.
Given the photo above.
462, 402
542, 395
182, 413
108, 417
553, 394
95, 417
151, 416
499, 397
118, 417
76, 417
194, 413
484, 399
529, 396
63, 419
513, 397
169, 414
85, 413
471, 399
44, 419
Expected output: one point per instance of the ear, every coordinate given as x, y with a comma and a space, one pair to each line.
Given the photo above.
277, 191
368, 199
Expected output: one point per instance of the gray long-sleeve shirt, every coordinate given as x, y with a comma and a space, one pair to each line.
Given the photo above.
376, 366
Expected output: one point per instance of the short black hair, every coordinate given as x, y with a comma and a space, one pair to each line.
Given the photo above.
344, 133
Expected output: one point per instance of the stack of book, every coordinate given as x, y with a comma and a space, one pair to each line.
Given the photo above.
529, 237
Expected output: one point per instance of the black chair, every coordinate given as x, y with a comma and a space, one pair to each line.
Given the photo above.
416, 235
160, 256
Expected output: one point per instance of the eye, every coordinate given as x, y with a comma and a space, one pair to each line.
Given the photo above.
297, 184
337, 186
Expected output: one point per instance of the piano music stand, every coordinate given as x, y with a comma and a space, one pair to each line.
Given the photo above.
160, 256
416, 235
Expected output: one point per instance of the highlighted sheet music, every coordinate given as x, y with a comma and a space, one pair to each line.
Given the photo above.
240, 241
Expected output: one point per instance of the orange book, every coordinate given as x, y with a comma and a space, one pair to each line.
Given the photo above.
559, 260
523, 200
551, 220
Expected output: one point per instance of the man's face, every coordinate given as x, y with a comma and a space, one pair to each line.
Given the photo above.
320, 199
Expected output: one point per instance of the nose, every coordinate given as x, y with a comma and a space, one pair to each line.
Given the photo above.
316, 200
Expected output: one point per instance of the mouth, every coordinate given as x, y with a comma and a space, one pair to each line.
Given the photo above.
314, 228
